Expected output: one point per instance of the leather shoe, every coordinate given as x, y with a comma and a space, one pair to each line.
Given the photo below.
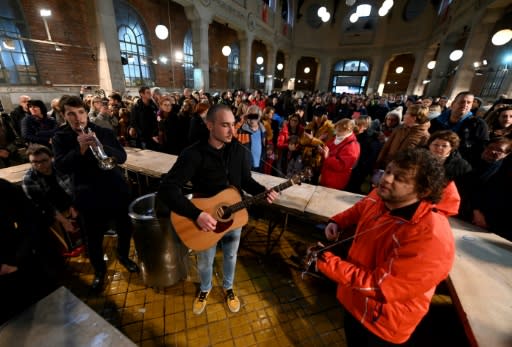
128, 264
98, 281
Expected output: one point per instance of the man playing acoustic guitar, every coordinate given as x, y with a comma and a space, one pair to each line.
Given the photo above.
212, 166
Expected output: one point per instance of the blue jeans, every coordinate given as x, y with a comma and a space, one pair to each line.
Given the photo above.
229, 244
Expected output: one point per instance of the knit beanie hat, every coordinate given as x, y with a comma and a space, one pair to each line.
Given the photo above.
398, 111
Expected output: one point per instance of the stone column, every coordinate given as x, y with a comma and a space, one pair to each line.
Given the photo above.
246, 39
439, 78
415, 86
422, 60
110, 69
375, 74
270, 68
200, 20
290, 68
324, 73
481, 30
201, 57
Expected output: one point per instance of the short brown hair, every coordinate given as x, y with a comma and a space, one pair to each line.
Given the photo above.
446, 135
37, 149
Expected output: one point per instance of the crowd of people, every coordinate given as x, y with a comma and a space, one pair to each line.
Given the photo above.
349, 142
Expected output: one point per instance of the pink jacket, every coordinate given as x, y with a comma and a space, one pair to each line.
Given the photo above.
393, 266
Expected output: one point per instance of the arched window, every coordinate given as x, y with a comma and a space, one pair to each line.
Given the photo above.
17, 63
350, 76
234, 67
136, 54
188, 60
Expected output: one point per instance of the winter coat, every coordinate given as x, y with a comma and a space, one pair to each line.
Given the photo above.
311, 156
393, 265
402, 138
284, 135
337, 167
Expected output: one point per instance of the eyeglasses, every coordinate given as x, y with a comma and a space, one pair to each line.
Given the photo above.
38, 162
496, 150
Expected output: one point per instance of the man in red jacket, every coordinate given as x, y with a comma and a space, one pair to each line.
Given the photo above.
402, 248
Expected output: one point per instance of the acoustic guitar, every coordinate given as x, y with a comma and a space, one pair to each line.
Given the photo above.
228, 208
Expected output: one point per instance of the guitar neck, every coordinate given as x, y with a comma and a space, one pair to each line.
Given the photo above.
247, 202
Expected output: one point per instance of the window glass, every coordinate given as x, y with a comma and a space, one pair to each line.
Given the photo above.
188, 60
135, 49
17, 63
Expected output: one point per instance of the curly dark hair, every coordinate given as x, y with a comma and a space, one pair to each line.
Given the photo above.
430, 177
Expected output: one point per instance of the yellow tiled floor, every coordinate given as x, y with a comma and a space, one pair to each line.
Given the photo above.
279, 308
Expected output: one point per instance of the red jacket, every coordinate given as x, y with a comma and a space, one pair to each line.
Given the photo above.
393, 266
337, 167
284, 135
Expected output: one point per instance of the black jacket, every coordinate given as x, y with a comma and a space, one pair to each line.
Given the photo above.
94, 188
143, 119
210, 171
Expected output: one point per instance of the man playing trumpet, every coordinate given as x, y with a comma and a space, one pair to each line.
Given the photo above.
101, 196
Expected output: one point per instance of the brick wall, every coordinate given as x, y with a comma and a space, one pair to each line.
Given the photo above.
69, 23
219, 35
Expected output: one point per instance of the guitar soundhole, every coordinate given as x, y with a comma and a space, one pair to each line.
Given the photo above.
223, 213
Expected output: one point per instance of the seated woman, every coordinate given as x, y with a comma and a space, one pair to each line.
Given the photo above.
443, 144
340, 156
487, 189
38, 127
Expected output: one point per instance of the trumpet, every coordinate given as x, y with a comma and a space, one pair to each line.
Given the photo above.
104, 161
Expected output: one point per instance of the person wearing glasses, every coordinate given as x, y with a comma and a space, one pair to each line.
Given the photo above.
487, 189
52, 193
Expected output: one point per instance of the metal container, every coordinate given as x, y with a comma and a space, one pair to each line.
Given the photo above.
163, 259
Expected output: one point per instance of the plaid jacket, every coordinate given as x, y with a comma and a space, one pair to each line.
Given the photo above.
36, 188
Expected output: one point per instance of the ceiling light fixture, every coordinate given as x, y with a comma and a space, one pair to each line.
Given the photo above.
431, 64
161, 31
45, 12
363, 10
353, 17
226, 51
456, 55
501, 37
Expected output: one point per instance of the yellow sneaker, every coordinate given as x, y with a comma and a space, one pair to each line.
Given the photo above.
232, 301
200, 302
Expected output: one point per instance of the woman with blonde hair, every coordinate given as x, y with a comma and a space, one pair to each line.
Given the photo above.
340, 155
412, 133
